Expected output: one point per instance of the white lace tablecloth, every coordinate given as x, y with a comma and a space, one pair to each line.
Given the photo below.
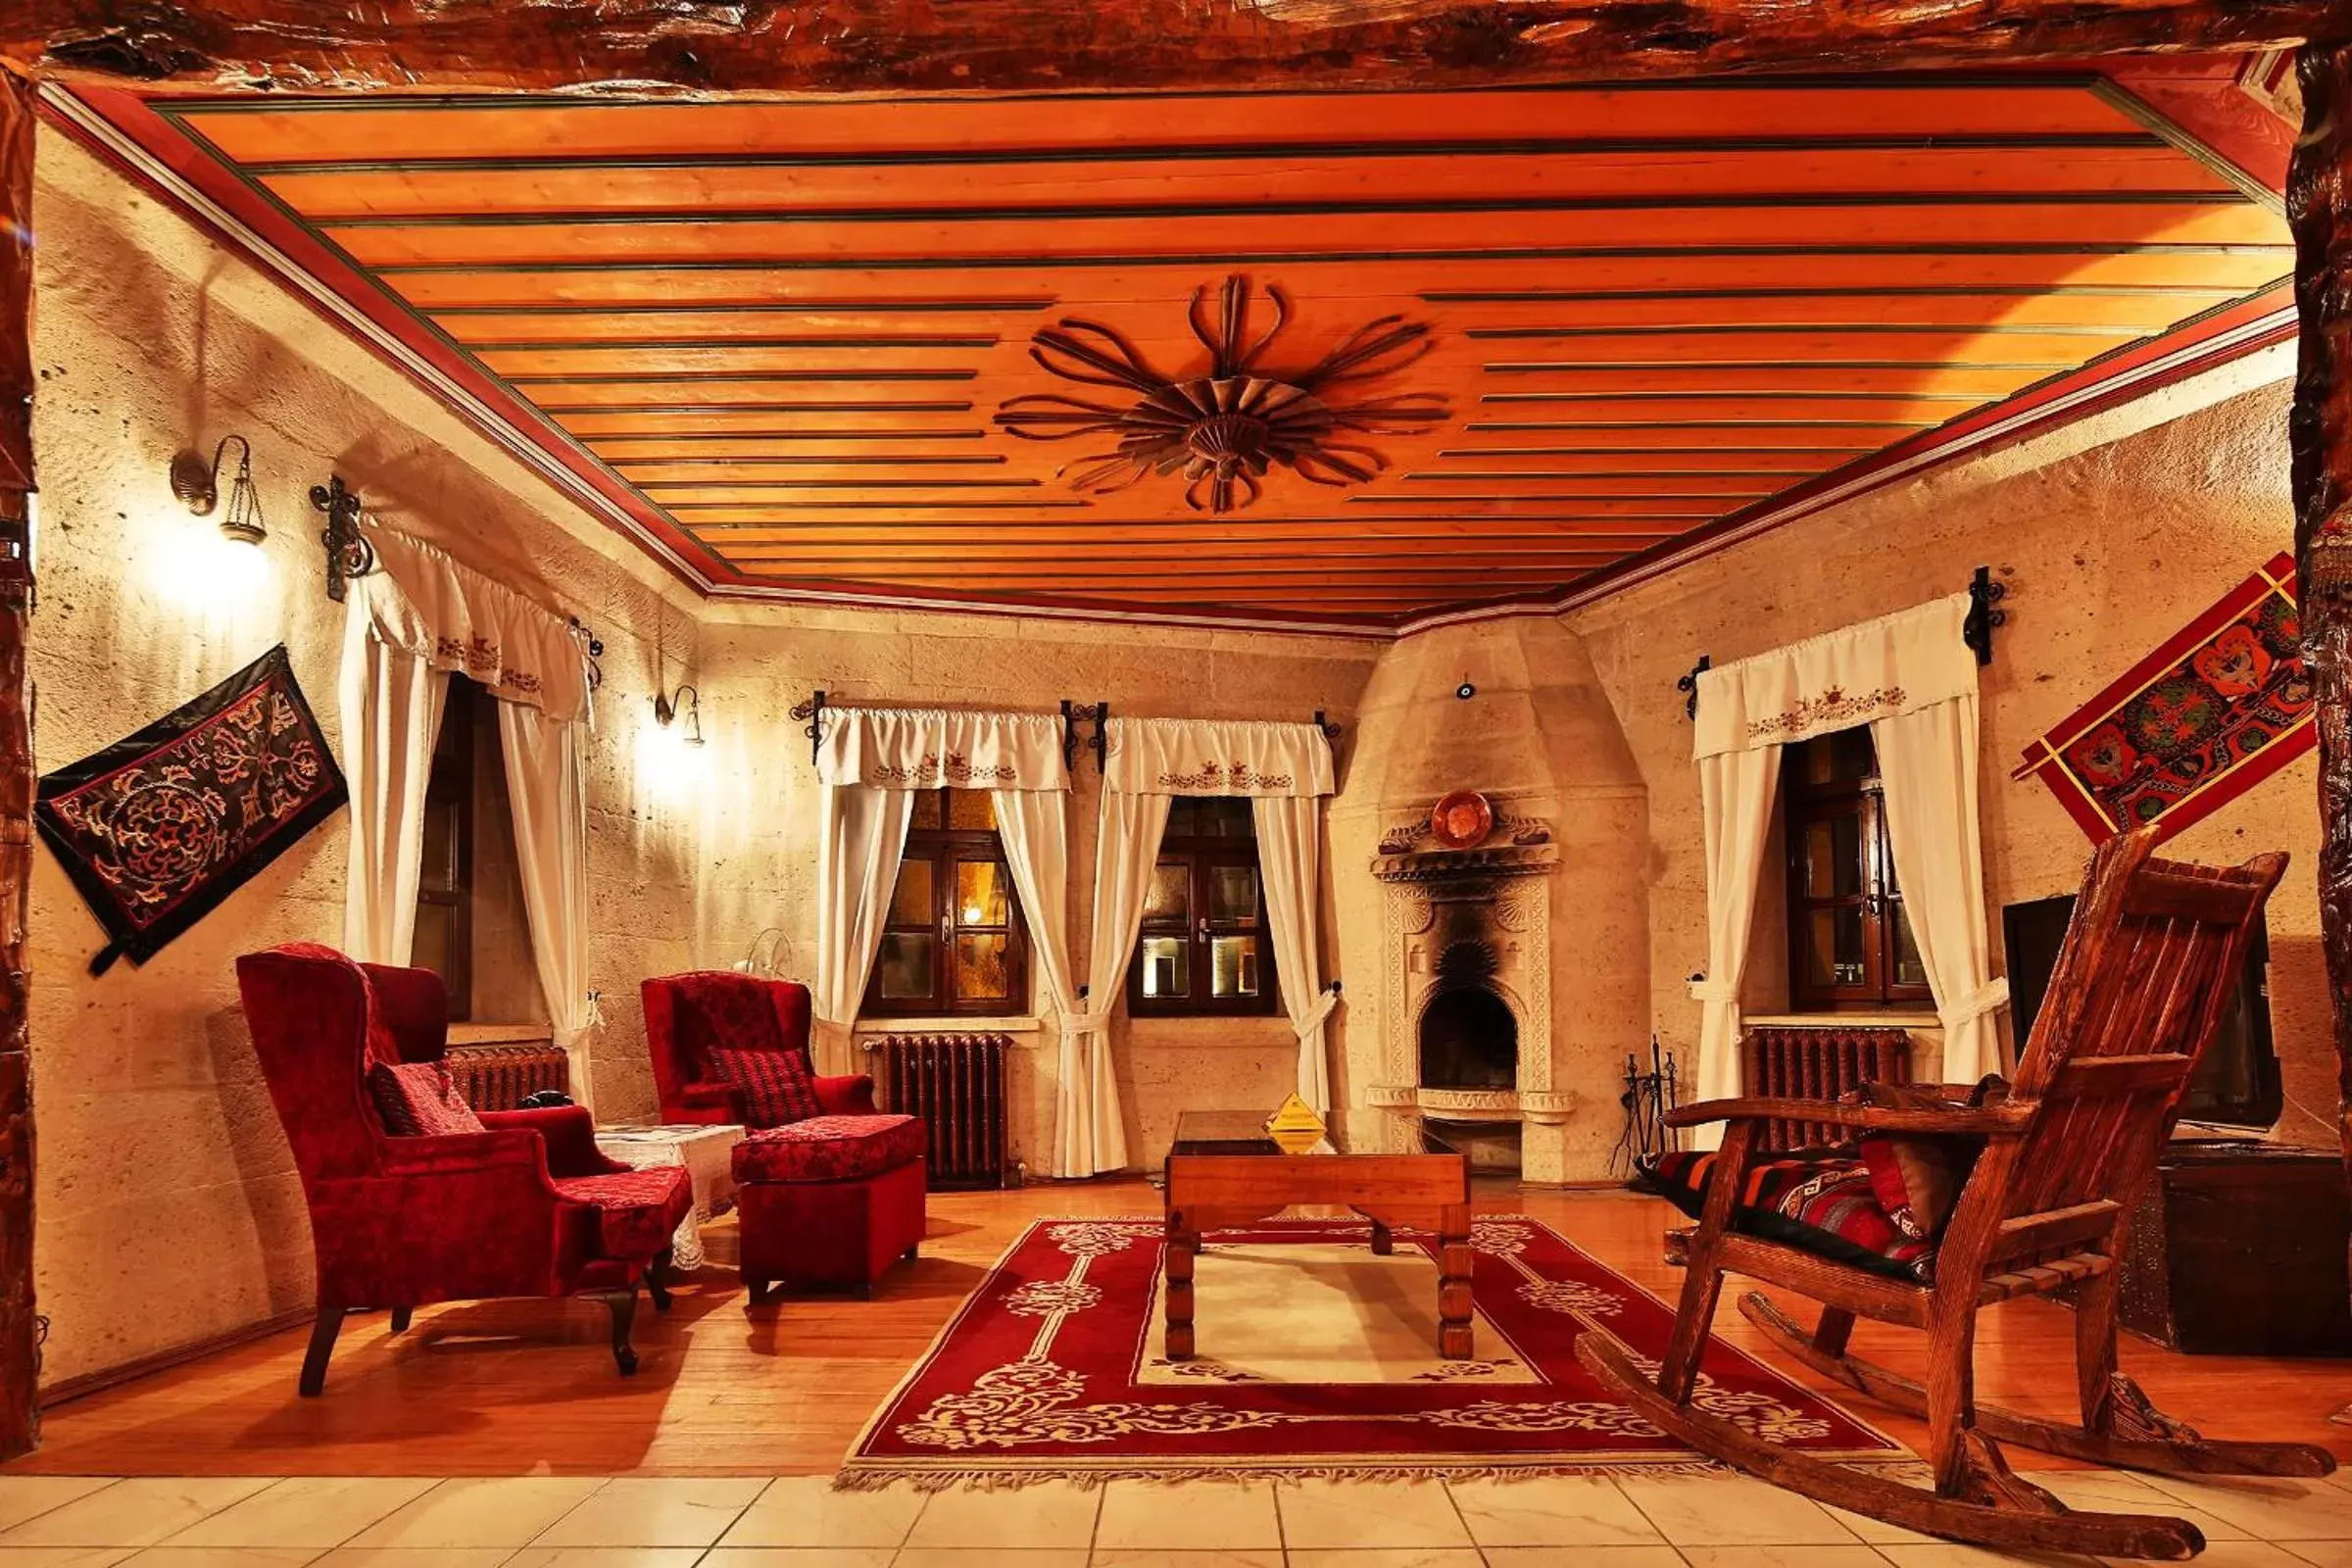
707, 1152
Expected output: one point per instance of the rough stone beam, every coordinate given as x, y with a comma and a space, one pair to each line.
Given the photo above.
20, 1338
997, 46
2319, 204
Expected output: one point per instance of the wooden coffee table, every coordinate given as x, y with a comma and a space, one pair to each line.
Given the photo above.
1224, 1172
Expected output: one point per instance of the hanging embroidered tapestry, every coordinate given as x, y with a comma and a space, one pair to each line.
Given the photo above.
2220, 706
160, 826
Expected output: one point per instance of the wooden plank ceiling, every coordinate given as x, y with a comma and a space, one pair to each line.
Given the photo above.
790, 325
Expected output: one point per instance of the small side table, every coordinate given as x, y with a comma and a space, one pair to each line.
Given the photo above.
707, 1154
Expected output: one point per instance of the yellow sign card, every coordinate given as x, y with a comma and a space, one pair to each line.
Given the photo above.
1295, 1128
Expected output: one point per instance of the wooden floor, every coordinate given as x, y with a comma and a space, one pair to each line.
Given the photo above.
516, 1388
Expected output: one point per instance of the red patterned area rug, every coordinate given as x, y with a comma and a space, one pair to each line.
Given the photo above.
1316, 1358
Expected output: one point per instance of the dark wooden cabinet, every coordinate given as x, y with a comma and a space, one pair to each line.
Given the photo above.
2238, 1249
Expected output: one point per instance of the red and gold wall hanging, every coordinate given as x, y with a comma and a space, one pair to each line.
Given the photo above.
160, 826
2220, 706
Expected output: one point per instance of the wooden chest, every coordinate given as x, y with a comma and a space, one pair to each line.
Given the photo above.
2239, 1250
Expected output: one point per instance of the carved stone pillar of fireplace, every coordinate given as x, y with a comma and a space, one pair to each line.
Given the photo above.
1465, 1004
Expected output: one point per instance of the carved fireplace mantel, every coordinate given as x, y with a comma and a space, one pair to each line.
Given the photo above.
1493, 900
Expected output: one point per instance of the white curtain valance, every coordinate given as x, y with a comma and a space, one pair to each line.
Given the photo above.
427, 604
1858, 674
1216, 756
927, 747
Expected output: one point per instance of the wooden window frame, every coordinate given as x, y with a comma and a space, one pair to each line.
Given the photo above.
450, 787
1803, 804
1203, 853
946, 848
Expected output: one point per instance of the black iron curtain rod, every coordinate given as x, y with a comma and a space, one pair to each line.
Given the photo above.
1689, 687
1984, 596
813, 711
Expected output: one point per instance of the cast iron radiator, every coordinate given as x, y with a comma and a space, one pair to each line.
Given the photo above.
1784, 1061
499, 1077
957, 1084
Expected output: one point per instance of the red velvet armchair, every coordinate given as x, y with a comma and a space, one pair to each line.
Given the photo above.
689, 1014
529, 1207
830, 1192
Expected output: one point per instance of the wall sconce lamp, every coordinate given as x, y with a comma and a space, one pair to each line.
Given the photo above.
684, 701
349, 554
197, 483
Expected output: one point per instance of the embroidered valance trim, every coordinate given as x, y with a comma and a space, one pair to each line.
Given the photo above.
1855, 675
934, 748
1216, 756
423, 601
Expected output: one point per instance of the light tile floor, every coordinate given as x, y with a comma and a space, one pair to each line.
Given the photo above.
800, 1521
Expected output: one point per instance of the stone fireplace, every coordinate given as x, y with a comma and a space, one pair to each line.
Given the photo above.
1468, 975
1494, 989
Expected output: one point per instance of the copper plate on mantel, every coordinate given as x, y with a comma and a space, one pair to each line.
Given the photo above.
1461, 819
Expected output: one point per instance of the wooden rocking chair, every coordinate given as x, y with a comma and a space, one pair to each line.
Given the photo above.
2149, 961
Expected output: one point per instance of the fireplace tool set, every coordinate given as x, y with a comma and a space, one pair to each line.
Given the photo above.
1647, 1098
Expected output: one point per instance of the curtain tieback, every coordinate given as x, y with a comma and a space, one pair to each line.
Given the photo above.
1986, 998
1326, 999
1078, 1025
1714, 990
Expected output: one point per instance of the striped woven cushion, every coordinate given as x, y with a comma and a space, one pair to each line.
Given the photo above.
1822, 1203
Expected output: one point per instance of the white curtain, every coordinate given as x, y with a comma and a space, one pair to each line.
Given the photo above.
861, 835
1735, 797
1216, 757
547, 778
391, 701
924, 747
1289, 856
869, 763
1927, 767
1284, 770
421, 598
1912, 678
418, 616
1034, 828
1088, 1136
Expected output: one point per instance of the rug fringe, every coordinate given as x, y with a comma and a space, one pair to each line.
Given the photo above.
880, 1478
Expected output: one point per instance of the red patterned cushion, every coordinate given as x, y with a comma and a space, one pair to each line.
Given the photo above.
831, 1148
1917, 1176
1823, 1204
419, 1099
638, 1210
775, 1087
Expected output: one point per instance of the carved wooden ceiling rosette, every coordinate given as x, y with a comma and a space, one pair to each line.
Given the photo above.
1225, 431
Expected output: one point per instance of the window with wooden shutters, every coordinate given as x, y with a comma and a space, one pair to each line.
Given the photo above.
952, 942
1849, 942
1204, 948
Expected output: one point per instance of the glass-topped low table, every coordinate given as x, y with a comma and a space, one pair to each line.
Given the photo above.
1224, 1171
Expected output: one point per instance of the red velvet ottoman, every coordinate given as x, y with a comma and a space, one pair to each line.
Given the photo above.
831, 1200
